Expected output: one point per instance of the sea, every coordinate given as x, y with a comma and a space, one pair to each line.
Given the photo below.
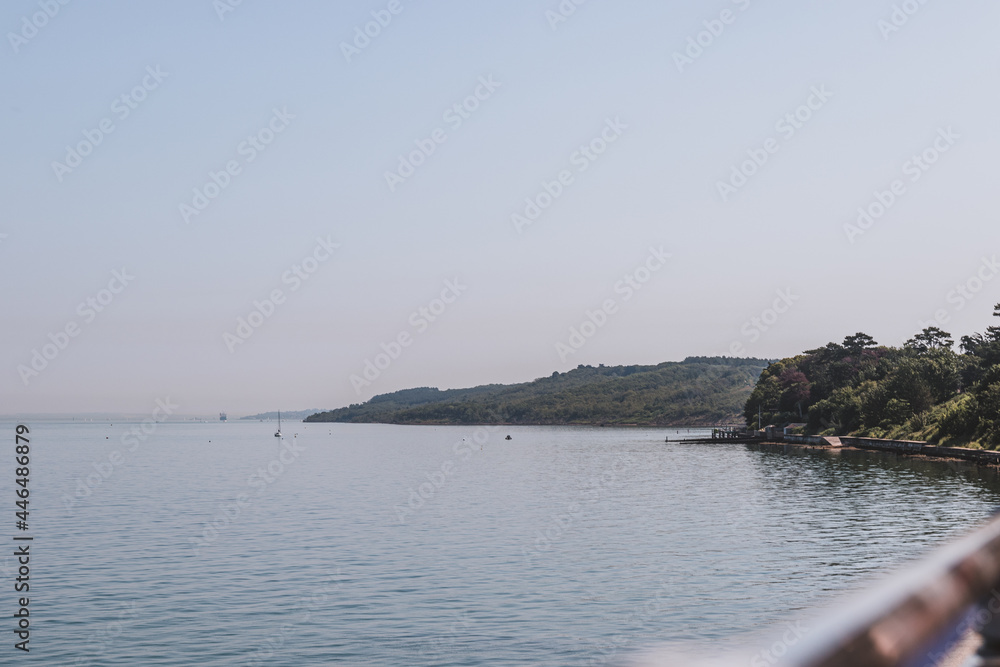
190, 543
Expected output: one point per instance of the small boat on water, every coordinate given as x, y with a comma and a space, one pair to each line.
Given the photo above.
277, 434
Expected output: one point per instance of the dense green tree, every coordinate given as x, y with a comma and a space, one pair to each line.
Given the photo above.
907, 383
931, 338
861, 387
839, 414
858, 343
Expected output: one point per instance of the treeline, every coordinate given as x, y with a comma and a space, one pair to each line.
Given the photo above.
698, 391
924, 390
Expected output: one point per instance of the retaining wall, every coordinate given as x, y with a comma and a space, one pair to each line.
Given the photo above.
901, 447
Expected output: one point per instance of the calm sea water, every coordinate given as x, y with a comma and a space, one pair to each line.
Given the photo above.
386, 545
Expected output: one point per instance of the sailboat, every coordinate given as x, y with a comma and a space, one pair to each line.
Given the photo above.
277, 434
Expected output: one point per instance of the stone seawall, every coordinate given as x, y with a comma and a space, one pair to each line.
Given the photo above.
804, 439
902, 446
899, 446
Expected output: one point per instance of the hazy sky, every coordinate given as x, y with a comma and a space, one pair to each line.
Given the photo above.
615, 122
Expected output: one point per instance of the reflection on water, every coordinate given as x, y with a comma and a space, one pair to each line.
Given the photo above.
971, 472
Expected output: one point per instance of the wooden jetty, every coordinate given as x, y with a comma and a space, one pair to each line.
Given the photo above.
729, 435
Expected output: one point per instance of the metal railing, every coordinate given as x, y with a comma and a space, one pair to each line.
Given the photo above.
913, 618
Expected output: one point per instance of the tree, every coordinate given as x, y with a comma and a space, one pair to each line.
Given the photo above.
972, 343
931, 338
795, 390
858, 343
993, 333
897, 411
985, 347
841, 413
908, 384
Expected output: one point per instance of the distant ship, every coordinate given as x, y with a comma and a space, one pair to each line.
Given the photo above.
278, 432
222, 416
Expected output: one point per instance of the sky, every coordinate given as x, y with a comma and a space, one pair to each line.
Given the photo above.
250, 206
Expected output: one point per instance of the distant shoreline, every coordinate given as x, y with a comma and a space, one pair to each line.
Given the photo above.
493, 423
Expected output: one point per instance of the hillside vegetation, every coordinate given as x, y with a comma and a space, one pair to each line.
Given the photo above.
698, 391
924, 390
